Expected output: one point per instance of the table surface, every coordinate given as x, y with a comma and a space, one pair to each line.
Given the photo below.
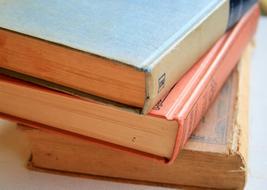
14, 150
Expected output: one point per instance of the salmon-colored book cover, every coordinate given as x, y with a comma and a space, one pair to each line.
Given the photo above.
190, 98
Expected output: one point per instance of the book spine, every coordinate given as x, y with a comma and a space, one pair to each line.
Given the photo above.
237, 9
205, 93
164, 75
165, 71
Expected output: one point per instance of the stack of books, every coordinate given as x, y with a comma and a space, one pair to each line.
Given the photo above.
151, 91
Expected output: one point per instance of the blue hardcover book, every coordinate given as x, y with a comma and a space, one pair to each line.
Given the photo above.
131, 52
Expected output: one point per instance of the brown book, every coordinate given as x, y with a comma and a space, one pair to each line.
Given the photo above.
215, 156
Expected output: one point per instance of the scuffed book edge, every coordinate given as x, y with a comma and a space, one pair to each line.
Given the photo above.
30, 165
239, 146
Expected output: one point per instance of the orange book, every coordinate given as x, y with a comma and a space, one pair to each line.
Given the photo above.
155, 134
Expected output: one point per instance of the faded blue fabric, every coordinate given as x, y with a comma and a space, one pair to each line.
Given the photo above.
134, 32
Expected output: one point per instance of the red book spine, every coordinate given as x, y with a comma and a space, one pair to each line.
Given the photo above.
198, 96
